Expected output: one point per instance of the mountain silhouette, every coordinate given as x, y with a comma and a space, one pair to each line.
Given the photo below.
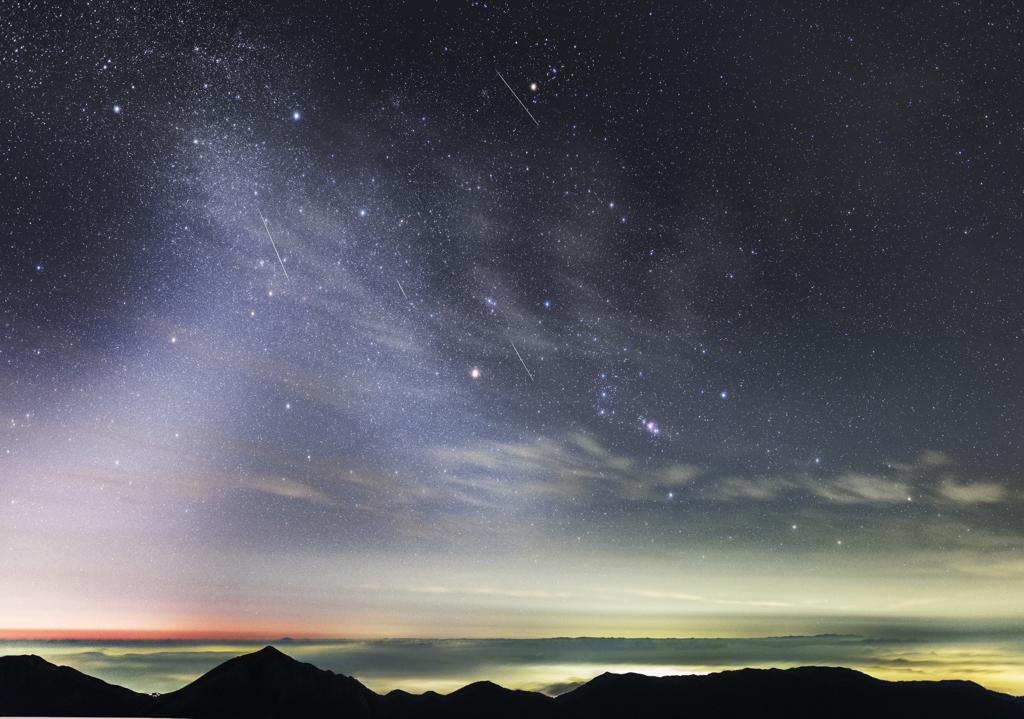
832, 692
269, 684
480, 699
31, 686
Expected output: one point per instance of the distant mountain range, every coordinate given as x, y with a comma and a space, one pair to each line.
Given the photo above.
268, 684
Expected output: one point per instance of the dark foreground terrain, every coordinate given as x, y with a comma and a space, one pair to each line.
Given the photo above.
268, 684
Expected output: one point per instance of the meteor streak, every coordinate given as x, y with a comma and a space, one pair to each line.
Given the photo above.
403, 291
524, 107
273, 245
521, 361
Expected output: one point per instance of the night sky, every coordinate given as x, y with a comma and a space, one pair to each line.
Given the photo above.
707, 323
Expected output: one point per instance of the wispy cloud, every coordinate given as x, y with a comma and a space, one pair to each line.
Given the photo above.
290, 488
972, 492
580, 468
853, 488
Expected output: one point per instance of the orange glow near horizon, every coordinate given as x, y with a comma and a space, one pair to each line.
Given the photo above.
268, 632
132, 634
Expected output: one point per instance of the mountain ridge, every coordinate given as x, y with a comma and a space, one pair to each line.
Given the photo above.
268, 684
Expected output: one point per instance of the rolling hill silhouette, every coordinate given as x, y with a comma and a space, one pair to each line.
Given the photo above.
269, 684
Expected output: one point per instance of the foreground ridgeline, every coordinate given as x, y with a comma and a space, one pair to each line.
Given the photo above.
269, 684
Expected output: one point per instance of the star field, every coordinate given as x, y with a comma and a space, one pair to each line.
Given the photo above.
307, 326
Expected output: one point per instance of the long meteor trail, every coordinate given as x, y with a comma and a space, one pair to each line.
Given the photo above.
524, 107
521, 361
273, 245
403, 291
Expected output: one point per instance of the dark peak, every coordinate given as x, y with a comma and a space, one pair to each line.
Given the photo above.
399, 694
33, 667
609, 682
27, 660
30, 685
836, 692
268, 661
268, 656
269, 651
480, 687
269, 683
613, 679
486, 691
479, 699
806, 671
262, 660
